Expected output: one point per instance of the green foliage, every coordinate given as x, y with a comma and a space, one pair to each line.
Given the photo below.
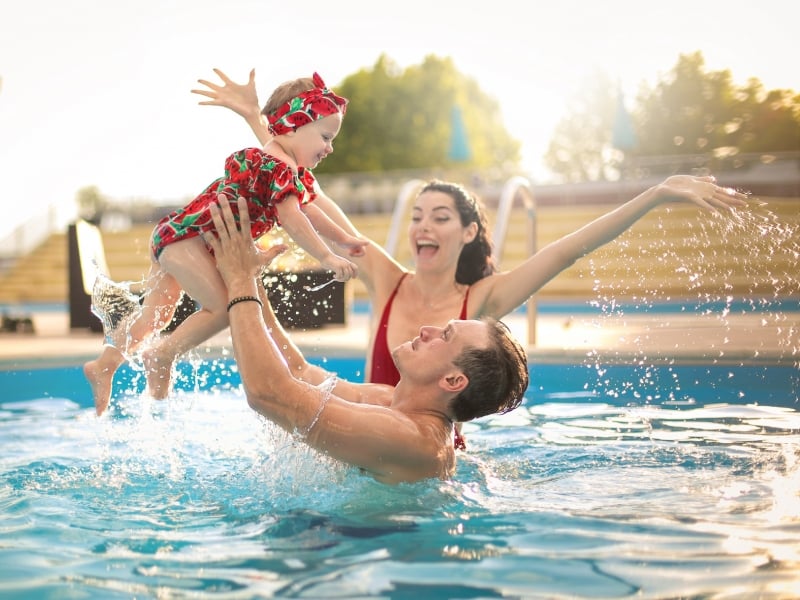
690, 112
401, 119
91, 202
577, 150
694, 111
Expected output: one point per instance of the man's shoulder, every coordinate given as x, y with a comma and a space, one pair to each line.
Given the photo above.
378, 394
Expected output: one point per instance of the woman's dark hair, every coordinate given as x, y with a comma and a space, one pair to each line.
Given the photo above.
475, 261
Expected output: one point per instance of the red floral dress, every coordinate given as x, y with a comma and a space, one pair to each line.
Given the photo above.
259, 178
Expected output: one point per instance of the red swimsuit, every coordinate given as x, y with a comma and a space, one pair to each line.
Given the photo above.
383, 367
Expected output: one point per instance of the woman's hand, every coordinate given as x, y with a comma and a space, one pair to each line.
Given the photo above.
239, 259
240, 98
702, 191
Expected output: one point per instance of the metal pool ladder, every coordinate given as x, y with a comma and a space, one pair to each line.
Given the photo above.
513, 188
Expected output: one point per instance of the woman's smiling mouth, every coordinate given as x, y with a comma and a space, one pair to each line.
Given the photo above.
426, 247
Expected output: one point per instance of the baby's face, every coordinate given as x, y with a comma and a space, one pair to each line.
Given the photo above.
313, 142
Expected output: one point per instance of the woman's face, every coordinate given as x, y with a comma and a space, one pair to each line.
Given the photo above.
435, 233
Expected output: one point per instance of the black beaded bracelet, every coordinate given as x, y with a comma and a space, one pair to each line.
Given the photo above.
244, 299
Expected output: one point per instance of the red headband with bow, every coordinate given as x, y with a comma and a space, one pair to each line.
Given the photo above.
306, 108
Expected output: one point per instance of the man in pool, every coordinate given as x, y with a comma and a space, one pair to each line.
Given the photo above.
463, 371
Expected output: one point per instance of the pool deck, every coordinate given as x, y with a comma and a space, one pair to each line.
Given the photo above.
735, 338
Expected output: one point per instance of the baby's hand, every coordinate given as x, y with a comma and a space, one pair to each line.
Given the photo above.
342, 268
241, 98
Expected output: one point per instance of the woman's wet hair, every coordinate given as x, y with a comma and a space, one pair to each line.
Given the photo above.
498, 375
475, 261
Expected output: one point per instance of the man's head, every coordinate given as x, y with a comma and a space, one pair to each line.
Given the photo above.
497, 374
479, 361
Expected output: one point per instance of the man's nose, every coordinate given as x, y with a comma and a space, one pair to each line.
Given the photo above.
426, 332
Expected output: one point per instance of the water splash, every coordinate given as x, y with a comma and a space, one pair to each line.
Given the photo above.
716, 271
117, 306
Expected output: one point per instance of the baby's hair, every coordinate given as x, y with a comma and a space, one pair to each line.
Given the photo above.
285, 92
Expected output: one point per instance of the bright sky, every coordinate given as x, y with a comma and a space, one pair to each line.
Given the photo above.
96, 92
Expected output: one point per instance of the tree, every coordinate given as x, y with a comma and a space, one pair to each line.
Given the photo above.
401, 119
581, 146
91, 203
766, 121
695, 111
690, 112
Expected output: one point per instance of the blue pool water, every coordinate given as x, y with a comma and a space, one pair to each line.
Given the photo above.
609, 482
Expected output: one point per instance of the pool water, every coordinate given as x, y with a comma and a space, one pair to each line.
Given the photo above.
609, 482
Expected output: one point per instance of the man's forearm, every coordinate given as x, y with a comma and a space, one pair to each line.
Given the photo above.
298, 365
265, 375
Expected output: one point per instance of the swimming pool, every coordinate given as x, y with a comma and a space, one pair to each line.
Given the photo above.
609, 482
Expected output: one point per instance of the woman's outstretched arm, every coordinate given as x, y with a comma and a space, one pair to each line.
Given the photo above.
504, 292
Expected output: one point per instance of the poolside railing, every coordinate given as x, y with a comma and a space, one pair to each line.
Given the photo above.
517, 187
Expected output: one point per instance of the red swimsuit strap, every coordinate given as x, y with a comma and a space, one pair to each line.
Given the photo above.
383, 368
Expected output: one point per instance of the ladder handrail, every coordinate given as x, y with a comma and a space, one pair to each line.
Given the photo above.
517, 186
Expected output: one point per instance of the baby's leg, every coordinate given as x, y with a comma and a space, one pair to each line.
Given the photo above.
162, 291
193, 267
100, 375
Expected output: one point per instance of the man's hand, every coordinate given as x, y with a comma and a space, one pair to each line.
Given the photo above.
238, 257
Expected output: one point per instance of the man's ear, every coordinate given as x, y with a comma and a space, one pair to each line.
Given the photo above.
455, 381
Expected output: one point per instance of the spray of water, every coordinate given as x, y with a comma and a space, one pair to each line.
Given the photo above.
717, 270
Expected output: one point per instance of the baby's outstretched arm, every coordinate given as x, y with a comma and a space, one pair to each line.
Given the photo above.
299, 226
328, 228
241, 98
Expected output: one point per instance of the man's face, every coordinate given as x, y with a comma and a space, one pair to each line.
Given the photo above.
430, 355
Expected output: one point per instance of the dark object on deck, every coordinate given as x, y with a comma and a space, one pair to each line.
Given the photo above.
297, 308
10, 324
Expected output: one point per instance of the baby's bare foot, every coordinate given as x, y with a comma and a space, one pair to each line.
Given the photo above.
100, 379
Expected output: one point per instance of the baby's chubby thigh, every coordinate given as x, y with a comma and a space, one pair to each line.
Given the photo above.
192, 265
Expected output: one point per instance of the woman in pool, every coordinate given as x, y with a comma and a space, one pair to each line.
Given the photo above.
453, 275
